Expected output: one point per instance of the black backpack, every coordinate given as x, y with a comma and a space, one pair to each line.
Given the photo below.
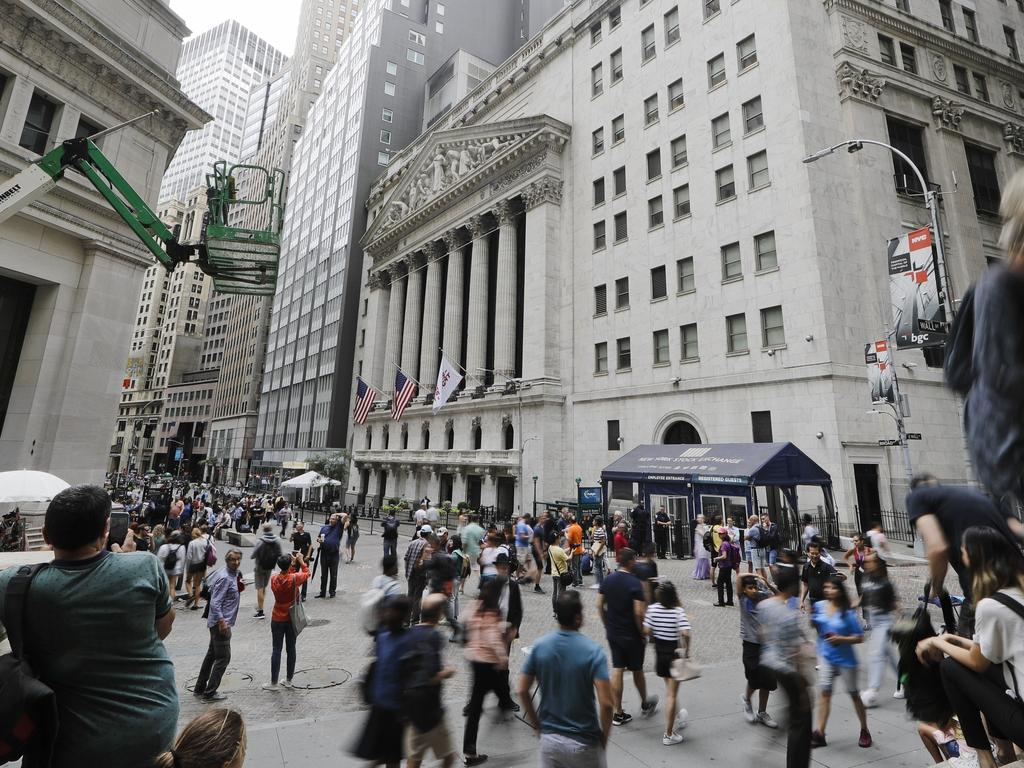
28, 707
171, 561
390, 529
266, 556
708, 541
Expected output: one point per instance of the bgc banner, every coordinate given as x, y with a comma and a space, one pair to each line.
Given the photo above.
880, 374
918, 312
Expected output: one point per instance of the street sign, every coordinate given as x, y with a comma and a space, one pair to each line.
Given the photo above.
913, 435
890, 442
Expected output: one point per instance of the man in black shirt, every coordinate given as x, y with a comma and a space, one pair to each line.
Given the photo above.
815, 572
423, 673
302, 543
662, 523
389, 533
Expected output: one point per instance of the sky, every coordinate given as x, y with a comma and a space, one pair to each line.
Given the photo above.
276, 21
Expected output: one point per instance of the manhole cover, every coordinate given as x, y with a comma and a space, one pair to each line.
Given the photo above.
232, 682
318, 622
321, 677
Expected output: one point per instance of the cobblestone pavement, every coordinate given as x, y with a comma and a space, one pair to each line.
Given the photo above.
333, 650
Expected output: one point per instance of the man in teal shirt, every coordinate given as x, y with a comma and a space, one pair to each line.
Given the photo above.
94, 628
568, 667
471, 536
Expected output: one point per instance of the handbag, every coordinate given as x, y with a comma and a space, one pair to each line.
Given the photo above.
297, 613
684, 669
564, 578
597, 548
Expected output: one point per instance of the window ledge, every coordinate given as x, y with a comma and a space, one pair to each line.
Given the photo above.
598, 250
748, 68
681, 166
621, 240
725, 200
767, 271
686, 293
656, 227
600, 314
645, 62
617, 143
735, 279
595, 206
653, 179
659, 299
666, 364
690, 360
622, 309
598, 153
773, 348
713, 16
720, 85
759, 129
600, 373
623, 370
720, 147
617, 195
594, 96
652, 123
740, 353
673, 110
672, 44
683, 218
759, 188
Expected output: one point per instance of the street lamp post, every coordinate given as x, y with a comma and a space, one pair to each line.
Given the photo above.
534, 510
901, 431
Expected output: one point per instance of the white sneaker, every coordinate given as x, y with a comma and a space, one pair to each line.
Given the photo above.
287, 684
271, 687
595, 586
748, 709
899, 693
869, 698
681, 721
766, 720
675, 738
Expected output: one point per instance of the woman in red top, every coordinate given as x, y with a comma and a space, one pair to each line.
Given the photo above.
286, 586
621, 541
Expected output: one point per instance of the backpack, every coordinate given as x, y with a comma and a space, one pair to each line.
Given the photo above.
266, 555
390, 529
28, 707
171, 561
734, 555
211, 554
370, 606
708, 541
958, 367
464, 567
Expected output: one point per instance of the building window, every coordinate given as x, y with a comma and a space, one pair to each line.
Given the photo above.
672, 27
686, 281
716, 71
615, 65
909, 56
732, 266
439, 27
736, 333
601, 357
596, 80
681, 201
383, 158
757, 171
887, 50
599, 235
772, 332
389, 88
415, 56
678, 148
981, 163
600, 300
711, 7
903, 5
599, 191
688, 341
622, 293
595, 33
385, 137
651, 110
417, 37
618, 129
970, 25
623, 355
647, 48
659, 288
440, 9
85, 127
764, 250
963, 83
1011, 43
619, 181
661, 353
946, 12
614, 17
654, 165
621, 228
387, 116
909, 139
614, 439
675, 95
726, 183
720, 134
35, 135
598, 141
980, 86
655, 213
753, 115
746, 53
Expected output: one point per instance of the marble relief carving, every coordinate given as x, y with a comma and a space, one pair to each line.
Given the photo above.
854, 34
947, 113
861, 83
1014, 137
939, 67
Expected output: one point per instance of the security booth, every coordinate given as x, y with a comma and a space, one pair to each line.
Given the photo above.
723, 479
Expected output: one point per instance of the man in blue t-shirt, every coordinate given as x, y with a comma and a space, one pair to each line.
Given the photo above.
568, 668
330, 554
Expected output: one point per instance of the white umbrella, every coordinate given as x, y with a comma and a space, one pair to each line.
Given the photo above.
29, 485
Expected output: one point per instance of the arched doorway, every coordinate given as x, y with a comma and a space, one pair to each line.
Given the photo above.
681, 433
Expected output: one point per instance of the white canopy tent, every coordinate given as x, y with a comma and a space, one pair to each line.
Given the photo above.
308, 481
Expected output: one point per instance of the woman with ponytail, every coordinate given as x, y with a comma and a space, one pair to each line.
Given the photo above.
215, 739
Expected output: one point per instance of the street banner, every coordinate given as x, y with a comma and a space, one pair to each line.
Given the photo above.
918, 312
448, 379
880, 373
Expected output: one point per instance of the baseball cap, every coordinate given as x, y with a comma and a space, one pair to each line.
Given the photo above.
426, 529
442, 531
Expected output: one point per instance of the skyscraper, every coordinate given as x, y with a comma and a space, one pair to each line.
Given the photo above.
217, 70
373, 104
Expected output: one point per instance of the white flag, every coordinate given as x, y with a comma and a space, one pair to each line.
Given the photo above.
448, 380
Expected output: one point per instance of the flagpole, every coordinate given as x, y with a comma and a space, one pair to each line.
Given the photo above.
453, 362
410, 378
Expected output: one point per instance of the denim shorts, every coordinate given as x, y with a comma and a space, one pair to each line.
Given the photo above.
828, 672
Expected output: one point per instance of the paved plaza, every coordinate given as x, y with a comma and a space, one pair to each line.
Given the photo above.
315, 727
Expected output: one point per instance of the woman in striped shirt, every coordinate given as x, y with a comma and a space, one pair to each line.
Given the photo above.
666, 622
597, 551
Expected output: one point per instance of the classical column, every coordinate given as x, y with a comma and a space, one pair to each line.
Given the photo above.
452, 340
429, 353
476, 322
542, 278
505, 300
380, 297
413, 304
396, 306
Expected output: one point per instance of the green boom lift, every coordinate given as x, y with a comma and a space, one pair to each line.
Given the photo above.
240, 260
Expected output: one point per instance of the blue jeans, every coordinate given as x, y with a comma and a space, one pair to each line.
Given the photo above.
881, 653
282, 634
390, 547
599, 569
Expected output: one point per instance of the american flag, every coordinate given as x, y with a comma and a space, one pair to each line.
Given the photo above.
365, 395
405, 391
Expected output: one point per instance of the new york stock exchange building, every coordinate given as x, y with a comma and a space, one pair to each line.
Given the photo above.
614, 237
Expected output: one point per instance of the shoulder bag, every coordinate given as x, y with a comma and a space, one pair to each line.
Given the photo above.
297, 613
1008, 602
564, 577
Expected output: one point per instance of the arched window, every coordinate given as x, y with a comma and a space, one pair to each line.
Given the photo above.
385, 438
426, 438
405, 439
477, 438
450, 438
510, 437
369, 438
681, 433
